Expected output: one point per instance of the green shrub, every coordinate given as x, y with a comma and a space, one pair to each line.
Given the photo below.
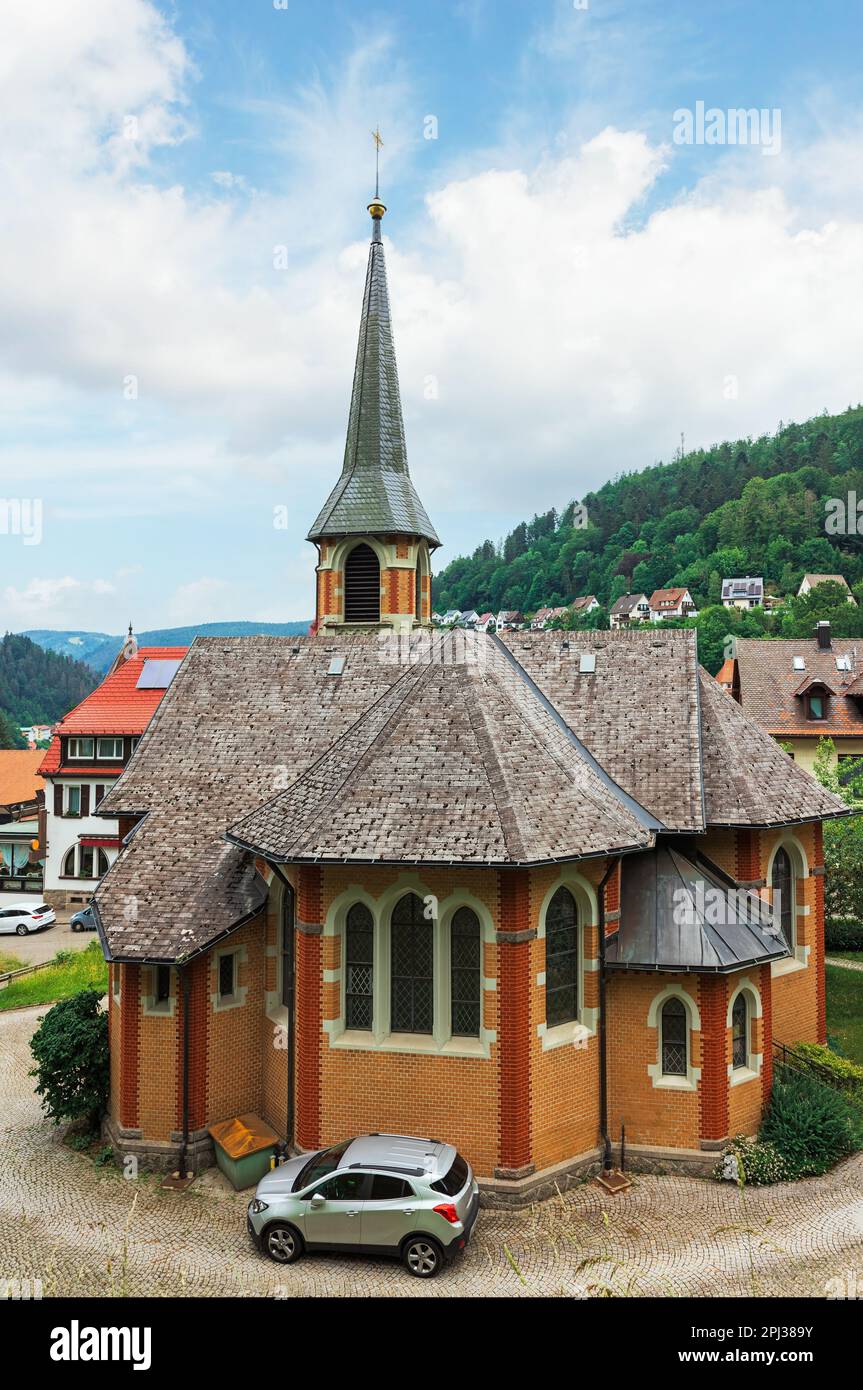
756, 1163
811, 1125
846, 1075
71, 1051
843, 934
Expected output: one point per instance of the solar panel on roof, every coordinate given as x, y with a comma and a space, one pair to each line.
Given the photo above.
157, 675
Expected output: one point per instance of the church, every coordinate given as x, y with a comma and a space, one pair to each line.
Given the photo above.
530, 893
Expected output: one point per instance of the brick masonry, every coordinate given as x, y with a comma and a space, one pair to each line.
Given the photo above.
524, 1103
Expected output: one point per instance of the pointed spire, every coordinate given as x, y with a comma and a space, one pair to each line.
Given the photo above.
374, 493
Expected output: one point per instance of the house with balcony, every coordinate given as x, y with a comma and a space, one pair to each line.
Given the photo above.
90, 748
742, 593
671, 603
629, 610
20, 792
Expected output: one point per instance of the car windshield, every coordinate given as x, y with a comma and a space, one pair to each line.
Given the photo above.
320, 1164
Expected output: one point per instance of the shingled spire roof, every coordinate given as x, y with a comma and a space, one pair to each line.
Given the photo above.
374, 493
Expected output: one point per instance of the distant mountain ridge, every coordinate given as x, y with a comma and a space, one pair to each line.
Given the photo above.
97, 649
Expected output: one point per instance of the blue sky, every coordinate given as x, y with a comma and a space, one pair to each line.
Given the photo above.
572, 289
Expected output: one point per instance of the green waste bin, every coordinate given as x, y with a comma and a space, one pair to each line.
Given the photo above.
244, 1147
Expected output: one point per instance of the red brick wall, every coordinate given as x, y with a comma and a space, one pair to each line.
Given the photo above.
514, 1033
818, 947
713, 1090
309, 1037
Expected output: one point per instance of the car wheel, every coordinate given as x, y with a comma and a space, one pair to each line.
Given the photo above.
21, 930
283, 1243
76, 926
422, 1256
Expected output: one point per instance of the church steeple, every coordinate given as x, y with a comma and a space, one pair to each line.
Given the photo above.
374, 508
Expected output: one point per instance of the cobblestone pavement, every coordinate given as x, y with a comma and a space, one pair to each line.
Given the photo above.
84, 1230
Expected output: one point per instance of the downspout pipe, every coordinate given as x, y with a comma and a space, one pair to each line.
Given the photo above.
289, 975
186, 985
607, 1163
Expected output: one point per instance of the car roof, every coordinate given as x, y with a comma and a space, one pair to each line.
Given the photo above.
399, 1153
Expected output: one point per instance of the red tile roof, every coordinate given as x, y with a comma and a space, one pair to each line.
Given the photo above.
771, 688
18, 775
114, 707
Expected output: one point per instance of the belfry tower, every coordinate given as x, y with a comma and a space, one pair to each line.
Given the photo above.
373, 536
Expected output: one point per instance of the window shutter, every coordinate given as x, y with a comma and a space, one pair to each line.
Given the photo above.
85, 799
100, 792
58, 798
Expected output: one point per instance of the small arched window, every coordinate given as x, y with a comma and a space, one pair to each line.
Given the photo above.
784, 904
362, 586
359, 967
465, 973
69, 863
561, 959
102, 862
740, 1032
674, 1038
418, 593
411, 968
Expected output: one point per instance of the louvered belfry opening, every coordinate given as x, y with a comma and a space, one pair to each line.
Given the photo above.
362, 586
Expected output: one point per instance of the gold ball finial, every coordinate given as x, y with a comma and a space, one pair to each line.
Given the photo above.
377, 209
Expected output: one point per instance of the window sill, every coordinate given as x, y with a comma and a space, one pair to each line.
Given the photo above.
661, 1082
738, 1076
357, 1039
789, 966
575, 1034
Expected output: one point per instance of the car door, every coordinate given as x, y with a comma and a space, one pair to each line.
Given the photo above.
338, 1221
9, 919
389, 1212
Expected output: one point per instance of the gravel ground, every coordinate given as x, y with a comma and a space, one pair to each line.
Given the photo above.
85, 1230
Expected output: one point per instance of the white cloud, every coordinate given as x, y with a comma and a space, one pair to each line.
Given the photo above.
52, 602
571, 334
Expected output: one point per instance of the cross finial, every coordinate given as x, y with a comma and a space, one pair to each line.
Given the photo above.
376, 136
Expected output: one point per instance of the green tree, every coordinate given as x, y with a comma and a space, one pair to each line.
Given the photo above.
10, 735
70, 1047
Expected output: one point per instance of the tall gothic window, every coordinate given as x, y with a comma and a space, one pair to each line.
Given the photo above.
561, 959
411, 971
465, 973
362, 586
782, 883
674, 1029
739, 1032
359, 967
418, 593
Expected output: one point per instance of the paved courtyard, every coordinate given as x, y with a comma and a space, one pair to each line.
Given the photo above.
42, 946
83, 1230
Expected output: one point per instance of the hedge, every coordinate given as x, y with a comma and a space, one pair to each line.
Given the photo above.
843, 934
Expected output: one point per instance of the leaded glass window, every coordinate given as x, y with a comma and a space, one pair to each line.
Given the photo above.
411, 955
782, 883
561, 959
465, 971
674, 1028
739, 1031
359, 967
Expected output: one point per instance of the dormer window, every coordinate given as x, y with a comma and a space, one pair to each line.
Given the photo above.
80, 747
111, 748
817, 706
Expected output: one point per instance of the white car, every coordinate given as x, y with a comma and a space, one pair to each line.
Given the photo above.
22, 919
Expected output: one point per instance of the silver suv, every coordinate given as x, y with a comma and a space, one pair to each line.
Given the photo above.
379, 1194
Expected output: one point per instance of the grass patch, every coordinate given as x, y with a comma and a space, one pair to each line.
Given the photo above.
9, 963
85, 969
856, 956
844, 1009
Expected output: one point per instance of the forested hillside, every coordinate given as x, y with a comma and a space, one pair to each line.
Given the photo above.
39, 687
754, 507
98, 649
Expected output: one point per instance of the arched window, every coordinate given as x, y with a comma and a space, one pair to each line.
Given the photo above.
740, 1032
362, 586
359, 967
411, 968
69, 863
418, 593
465, 973
561, 959
103, 865
674, 1030
784, 904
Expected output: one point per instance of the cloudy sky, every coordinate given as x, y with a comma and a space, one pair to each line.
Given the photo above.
183, 240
